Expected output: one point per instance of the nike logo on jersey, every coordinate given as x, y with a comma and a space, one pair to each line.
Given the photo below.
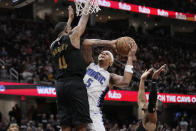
96, 75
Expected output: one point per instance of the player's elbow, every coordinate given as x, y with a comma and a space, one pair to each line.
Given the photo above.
86, 42
125, 84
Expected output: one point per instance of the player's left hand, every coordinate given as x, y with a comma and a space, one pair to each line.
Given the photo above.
133, 49
157, 72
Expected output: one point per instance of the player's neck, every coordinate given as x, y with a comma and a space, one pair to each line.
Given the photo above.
103, 66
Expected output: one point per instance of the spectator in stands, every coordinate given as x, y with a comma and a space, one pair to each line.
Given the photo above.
12, 113
183, 124
13, 127
27, 76
52, 120
3, 52
49, 127
18, 114
23, 125
44, 120
124, 128
115, 127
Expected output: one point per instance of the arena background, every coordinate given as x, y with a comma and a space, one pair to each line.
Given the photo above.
164, 30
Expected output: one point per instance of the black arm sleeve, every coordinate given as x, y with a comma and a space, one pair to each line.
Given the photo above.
152, 97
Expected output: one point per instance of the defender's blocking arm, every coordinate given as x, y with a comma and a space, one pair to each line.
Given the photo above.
141, 92
153, 90
71, 16
80, 28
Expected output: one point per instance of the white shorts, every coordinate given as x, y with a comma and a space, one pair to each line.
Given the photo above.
97, 124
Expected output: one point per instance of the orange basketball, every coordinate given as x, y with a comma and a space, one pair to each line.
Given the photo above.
122, 45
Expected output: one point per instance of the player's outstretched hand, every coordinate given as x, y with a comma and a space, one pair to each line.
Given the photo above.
146, 73
157, 72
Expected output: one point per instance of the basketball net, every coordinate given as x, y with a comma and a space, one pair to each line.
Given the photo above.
93, 7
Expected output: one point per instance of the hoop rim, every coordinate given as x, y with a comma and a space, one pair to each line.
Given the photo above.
93, 7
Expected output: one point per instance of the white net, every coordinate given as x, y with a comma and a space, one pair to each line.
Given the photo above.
93, 7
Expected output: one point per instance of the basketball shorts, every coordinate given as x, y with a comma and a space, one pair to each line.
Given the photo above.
72, 102
97, 124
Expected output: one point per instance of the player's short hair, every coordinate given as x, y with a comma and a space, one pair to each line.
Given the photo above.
60, 26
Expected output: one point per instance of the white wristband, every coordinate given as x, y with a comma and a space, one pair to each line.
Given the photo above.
129, 68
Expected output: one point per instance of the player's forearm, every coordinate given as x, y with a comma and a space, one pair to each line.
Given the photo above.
84, 18
126, 79
130, 60
98, 42
152, 97
128, 72
82, 24
141, 92
69, 22
108, 43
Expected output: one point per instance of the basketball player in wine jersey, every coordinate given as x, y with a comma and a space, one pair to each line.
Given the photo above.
98, 80
72, 99
147, 112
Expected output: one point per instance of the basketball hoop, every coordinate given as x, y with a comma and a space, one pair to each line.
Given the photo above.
93, 8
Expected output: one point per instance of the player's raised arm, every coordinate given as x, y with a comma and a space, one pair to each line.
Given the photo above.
153, 89
123, 81
150, 117
87, 47
80, 28
141, 91
71, 16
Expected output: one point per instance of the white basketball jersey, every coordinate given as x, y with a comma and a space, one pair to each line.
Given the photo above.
97, 83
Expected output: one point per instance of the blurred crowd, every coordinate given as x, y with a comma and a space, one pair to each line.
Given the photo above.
36, 121
174, 5
25, 47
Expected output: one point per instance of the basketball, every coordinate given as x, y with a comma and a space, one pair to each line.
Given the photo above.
122, 45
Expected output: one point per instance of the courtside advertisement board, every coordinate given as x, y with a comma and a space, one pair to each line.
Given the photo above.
112, 95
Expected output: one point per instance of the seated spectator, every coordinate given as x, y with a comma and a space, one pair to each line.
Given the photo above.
183, 124
13, 127
27, 76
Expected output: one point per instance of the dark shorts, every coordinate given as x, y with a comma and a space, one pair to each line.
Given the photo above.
72, 102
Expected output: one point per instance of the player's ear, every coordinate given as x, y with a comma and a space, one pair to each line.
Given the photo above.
111, 62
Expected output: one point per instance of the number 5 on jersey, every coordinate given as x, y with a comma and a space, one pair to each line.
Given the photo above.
62, 62
89, 83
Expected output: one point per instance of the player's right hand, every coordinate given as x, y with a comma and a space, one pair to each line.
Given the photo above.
146, 73
157, 72
133, 49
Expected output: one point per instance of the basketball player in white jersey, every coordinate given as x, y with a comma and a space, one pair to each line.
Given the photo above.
98, 80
